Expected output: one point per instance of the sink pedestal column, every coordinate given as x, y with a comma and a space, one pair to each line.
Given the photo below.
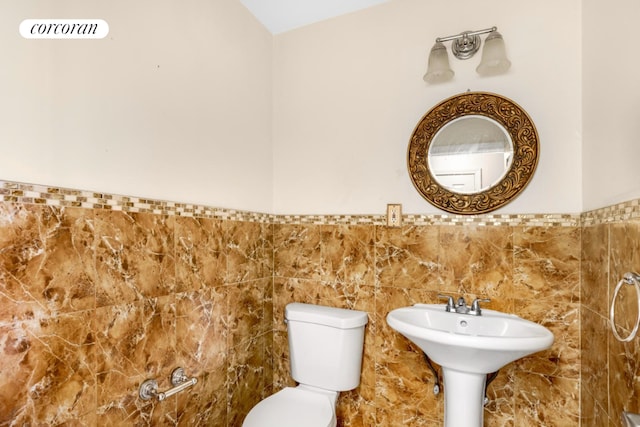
463, 398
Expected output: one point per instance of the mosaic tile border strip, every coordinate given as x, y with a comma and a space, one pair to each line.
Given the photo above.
539, 220
619, 212
63, 197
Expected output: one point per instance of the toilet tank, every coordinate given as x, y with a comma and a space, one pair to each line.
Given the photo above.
325, 345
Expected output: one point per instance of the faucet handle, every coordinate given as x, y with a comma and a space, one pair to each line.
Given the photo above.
475, 306
450, 304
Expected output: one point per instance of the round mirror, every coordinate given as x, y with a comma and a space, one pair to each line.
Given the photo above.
473, 153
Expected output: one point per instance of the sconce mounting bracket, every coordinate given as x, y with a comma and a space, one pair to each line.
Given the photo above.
466, 46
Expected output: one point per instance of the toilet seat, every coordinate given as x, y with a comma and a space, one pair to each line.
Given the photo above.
293, 407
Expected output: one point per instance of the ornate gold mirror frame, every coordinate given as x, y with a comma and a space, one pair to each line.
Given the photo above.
505, 112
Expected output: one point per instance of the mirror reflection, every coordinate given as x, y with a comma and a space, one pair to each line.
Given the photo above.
470, 154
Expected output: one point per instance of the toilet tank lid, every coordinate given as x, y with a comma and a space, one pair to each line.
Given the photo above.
331, 316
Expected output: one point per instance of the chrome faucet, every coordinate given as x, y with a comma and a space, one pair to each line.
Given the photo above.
461, 306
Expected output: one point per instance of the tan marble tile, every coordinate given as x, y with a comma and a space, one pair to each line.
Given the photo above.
15, 345
477, 260
499, 411
624, 252
246, 245
268, 304
201, 256
393, 417
134, 342
89, 419
409, 257
543, 401
266, 258
594, 268
297, 251
201, 332
269, 364
247, 384
204, 404
134, 257
624, 377
403, 379
348, 254
353, 410
306, 291
610, 372
47, 368
282, 294
594, 364
563, 320
46, 261
281, 368
592, 413
404, 384
246, 317
133, 411
547, 263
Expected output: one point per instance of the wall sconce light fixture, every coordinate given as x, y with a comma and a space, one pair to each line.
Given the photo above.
465, 45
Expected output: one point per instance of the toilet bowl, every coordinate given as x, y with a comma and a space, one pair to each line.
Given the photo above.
294, 407
630, 420
325, 355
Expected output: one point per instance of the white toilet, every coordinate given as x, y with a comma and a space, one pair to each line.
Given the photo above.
631, 420
325, 352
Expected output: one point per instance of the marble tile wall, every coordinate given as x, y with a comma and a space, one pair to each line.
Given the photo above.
610, 368
99, 292
533, 271
95, 301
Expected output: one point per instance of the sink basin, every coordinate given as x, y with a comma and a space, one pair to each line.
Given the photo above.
468, 348
474, 344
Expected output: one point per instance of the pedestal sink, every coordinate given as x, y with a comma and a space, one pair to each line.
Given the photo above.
468, 347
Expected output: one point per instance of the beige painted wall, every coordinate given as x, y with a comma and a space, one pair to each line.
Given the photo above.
349, 91
199, 103
175, 103
611, 100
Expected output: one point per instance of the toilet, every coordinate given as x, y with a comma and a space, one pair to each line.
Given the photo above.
630, 419
325, 354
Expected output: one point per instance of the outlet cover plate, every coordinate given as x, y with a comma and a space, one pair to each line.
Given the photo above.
394, 215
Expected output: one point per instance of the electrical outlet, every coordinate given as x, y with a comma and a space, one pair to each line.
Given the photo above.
394, 215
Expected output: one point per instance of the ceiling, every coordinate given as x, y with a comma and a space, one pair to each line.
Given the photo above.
283, 15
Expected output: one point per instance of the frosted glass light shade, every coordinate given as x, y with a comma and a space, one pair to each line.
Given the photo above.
438, 70
494, 56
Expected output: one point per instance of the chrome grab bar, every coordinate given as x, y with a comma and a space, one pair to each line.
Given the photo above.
179, 380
